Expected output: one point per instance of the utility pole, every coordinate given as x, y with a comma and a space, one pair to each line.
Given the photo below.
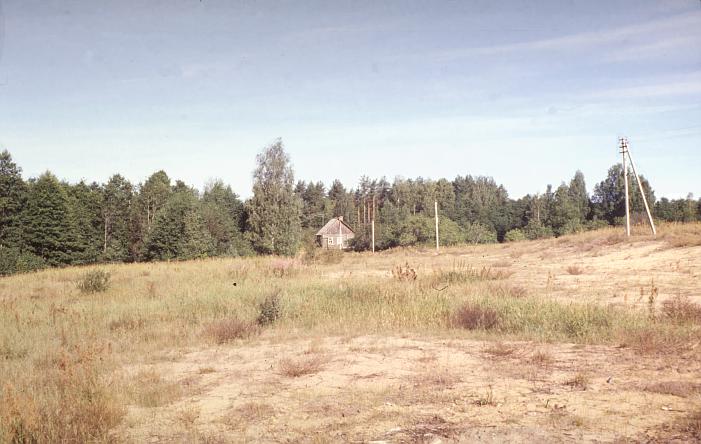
626, 156
624, 150
435, 209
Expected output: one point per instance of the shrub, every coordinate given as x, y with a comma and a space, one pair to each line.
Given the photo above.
475, 317
227, 330
12, 261
94, 281
477, 233
269, 310
294, 368
514, 235
535, 230
681, 309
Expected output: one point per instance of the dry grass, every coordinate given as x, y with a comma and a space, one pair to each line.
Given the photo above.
248, 413
435, 378
486, 398
580, 381
500, 350
679, 235
541, 358
574, 270
65, 356
501, 264
296, 367
149, 389
682, 389
227, 330
681, 309
473, 317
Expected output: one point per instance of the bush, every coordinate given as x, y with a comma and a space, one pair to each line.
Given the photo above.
12, 261
514, 235
477, 233
269, 310
535, 230
94, 281
680, 309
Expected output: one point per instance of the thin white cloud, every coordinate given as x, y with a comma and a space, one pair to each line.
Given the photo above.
582, 40
664, 47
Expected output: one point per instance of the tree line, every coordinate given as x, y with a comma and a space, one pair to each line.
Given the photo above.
48, 222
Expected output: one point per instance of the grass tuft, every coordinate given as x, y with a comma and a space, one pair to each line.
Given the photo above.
94, 281
306, 365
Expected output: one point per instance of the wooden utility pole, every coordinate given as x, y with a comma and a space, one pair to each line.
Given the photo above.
435, 209
373, 235
625, 150
642, 193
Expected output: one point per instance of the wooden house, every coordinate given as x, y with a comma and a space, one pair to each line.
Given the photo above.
336, 234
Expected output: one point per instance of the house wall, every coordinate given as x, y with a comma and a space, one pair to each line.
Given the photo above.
324, 241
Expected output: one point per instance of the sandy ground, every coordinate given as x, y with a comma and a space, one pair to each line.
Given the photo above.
394, 389
437, 389
623, 273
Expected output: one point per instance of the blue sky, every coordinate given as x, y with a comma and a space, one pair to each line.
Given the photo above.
526, 92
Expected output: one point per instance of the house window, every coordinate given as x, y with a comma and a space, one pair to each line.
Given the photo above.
330, 241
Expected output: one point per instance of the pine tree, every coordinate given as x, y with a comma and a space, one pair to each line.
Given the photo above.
274, 211
48, 232
12, 196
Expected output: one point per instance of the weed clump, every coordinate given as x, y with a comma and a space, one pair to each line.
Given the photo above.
295, 368
405, 273
94, 281
475, 317
269, 310
227, 330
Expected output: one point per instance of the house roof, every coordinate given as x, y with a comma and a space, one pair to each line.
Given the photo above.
332, 228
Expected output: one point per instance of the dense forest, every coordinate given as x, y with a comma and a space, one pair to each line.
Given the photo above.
48, 222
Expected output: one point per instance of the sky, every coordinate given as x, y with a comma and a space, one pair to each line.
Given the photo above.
526, 92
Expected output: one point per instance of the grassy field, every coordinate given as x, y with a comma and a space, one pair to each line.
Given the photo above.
590, 337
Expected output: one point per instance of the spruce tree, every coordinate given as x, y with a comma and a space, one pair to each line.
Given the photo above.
48, 232
116, 207
274, 211
85, 203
